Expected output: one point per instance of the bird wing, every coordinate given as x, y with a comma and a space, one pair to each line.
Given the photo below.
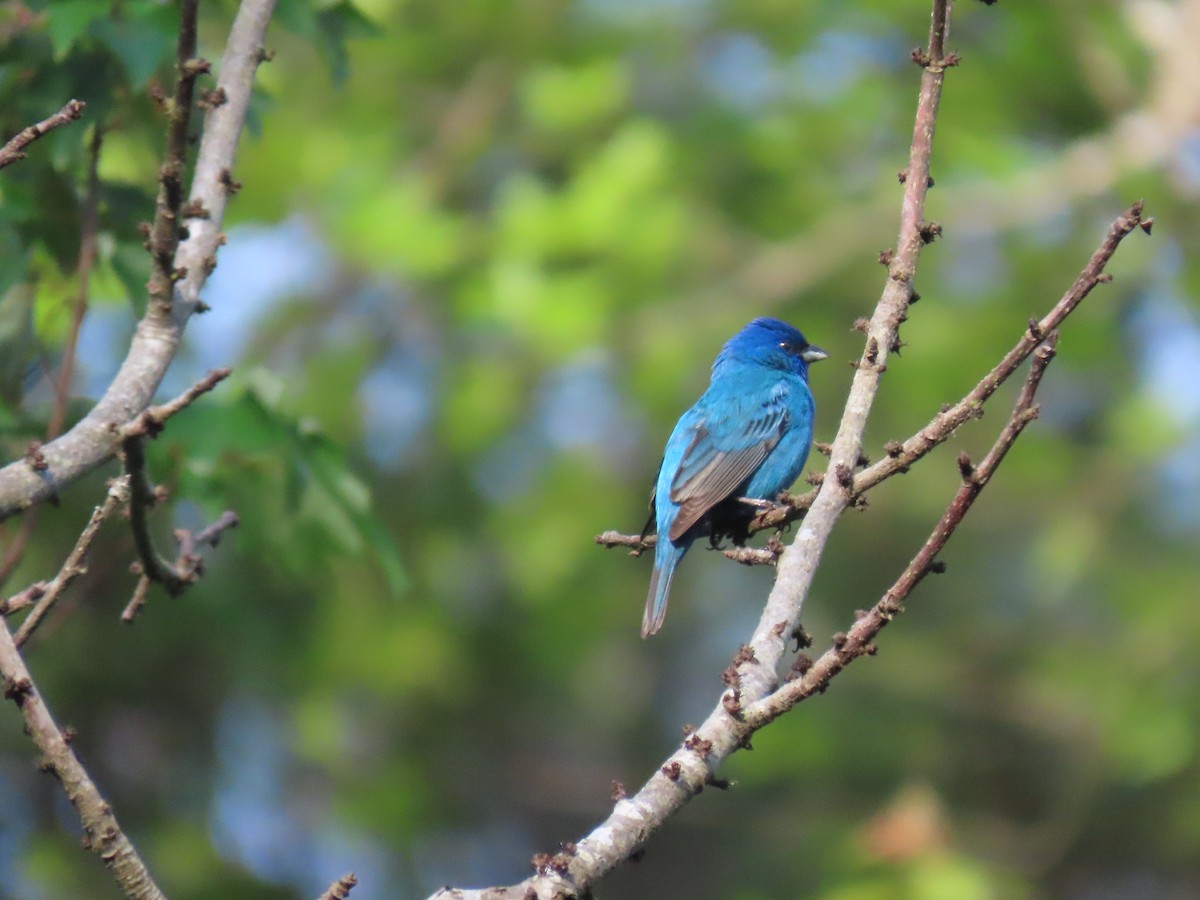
725, 450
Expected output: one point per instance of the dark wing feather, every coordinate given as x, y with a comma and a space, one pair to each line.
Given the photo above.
652, 521
718, 460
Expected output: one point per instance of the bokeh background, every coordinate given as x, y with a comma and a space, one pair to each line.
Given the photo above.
483, 258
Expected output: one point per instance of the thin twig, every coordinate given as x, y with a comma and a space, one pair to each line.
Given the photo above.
174, 577
23, 599
137, 601
150, 422
14, 150
757, 556
142, 499
89, 217
102, 833
118, 494
14, 550
164, 233
944, 424
188, 565
210, 535
857, 641
340, 889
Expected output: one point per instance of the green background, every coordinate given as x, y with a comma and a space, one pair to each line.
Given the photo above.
484, 255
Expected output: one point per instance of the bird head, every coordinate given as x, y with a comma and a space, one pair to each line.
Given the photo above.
773, 343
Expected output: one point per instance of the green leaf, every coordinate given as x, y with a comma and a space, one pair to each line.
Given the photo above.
336, 25
562, 98
68, 20
230, 441
327, 463
16, 345
141, 44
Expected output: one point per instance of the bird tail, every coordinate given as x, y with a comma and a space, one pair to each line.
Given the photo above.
660, 585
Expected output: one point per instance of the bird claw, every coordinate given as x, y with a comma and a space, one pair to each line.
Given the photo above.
760, 505
764, 507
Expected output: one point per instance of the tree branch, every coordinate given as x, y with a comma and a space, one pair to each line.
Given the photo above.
90, 443
89, 225
44, 595
14, 150
164, 234
340, 889
178, 576
151, 421
102, 833
858, 640
212, 183
945, 423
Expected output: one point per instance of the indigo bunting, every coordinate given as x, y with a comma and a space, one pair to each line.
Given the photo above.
748, 437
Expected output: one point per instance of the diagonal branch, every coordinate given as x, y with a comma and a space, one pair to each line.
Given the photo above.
340, 889
14, 150
151, 421
945, 423
102, 833
42, 596
90, 443
694, 765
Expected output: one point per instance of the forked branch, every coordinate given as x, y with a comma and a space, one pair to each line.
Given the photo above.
89, 443
858, 640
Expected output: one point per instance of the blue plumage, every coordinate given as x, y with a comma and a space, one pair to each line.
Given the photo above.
747, 436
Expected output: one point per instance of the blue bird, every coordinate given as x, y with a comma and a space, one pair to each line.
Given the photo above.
748, 437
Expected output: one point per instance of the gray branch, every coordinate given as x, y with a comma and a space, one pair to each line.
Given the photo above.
94, 440
102, 834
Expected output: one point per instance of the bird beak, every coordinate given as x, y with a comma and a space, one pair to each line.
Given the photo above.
812, 353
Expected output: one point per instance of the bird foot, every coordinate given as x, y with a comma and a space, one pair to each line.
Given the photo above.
760, 505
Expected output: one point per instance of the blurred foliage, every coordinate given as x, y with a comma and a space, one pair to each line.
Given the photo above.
484, 255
